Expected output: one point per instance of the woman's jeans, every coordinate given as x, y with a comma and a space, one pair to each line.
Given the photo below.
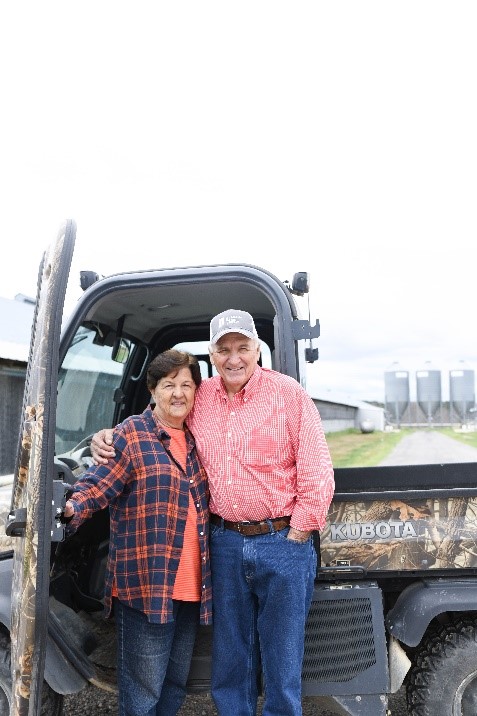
154, 659
262, 588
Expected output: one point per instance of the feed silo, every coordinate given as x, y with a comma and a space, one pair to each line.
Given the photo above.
428, 391
461, 394
396, 394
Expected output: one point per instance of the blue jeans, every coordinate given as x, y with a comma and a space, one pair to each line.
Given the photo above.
154, 659
262, 588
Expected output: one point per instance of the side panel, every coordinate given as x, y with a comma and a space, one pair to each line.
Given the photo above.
32, 490
419, 518
398, 533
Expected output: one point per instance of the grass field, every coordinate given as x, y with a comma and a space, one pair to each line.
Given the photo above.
352, 448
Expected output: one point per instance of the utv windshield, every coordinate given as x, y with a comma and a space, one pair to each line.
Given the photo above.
87, 382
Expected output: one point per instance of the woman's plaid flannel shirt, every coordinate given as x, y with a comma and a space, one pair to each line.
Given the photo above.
148, 496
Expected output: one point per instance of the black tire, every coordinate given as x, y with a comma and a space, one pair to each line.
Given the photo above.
443, 679
51, 702
5, 675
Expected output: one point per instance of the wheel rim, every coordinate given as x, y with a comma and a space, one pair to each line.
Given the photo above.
465, 701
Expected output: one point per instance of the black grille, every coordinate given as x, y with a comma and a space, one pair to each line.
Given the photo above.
345, 641
339, 641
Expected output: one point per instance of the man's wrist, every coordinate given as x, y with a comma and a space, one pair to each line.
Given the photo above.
299, 535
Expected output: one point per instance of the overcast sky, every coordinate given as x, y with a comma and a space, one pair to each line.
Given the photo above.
337, 138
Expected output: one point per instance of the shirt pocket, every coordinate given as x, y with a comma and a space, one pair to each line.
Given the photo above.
267, 446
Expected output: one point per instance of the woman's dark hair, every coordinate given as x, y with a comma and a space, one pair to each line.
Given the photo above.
172, 361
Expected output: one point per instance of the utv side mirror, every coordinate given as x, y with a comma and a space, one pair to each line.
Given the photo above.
87, 278
300, 283
121, 350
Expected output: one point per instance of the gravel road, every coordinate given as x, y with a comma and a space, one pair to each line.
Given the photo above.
426, 446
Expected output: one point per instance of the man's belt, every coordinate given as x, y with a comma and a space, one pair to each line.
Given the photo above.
248, 529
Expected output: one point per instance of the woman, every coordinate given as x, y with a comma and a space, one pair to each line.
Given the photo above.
158, 572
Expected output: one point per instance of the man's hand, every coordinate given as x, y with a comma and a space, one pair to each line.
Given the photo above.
298, 536
101, 449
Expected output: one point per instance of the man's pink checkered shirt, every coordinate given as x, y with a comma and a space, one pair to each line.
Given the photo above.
265, 451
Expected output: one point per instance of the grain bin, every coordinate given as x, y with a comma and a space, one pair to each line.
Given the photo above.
396, 391
428, 391
461, 393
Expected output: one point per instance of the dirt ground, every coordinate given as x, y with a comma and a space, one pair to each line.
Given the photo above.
93, 701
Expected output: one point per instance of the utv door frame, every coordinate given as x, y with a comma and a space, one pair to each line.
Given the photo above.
33, 516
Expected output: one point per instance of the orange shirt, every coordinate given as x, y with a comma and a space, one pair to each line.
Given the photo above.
187, 583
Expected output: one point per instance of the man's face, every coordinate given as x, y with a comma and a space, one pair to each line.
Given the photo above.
235, 357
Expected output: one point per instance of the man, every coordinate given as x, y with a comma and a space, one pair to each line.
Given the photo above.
260, 439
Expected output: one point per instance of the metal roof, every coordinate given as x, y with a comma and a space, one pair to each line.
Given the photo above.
339, 399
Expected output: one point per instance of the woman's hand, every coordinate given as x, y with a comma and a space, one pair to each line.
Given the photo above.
69, 510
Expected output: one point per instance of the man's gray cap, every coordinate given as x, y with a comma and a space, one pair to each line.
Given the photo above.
232, 321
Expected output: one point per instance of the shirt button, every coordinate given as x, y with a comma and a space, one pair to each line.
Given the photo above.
191, 481
203, 586
201, 533
234, 506
197, 504
232, 413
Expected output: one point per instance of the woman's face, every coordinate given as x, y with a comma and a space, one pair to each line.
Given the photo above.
174, 397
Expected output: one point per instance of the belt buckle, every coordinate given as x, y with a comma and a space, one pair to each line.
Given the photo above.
245, 523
